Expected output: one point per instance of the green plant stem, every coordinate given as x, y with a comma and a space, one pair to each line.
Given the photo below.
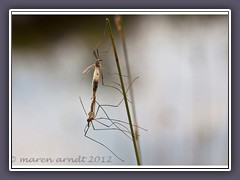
119, 25
124, 92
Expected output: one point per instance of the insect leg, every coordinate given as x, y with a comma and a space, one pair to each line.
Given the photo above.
101, 143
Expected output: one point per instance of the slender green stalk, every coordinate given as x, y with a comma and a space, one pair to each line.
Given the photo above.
124, 92
119, 25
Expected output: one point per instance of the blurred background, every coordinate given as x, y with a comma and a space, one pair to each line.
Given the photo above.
181, 97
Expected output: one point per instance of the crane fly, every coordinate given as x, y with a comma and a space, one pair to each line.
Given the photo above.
92, 116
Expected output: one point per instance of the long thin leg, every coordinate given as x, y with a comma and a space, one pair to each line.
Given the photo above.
107, 105
110, 74
102, 118
115, 124
113, 86
128, 86
103, 123
115, 82
114, 121
110, 85
109, 127
87, 128
117, 120
120, 101
101, 144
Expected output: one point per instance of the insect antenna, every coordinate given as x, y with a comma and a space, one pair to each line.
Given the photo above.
83, 106
98, 54
95, 54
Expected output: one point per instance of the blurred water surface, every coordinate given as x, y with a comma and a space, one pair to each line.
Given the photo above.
181, 96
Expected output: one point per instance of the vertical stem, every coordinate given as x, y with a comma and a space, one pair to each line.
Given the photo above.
119, 25
124, 92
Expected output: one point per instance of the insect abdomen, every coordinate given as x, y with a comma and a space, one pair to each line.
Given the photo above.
95, 85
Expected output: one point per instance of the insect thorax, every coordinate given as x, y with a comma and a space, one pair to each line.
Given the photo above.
91, 116
97, 63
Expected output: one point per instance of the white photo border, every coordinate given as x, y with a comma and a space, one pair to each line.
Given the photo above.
120, 12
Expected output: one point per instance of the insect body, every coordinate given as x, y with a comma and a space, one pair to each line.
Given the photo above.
92, 115
97, 72
95, 80
115, 124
